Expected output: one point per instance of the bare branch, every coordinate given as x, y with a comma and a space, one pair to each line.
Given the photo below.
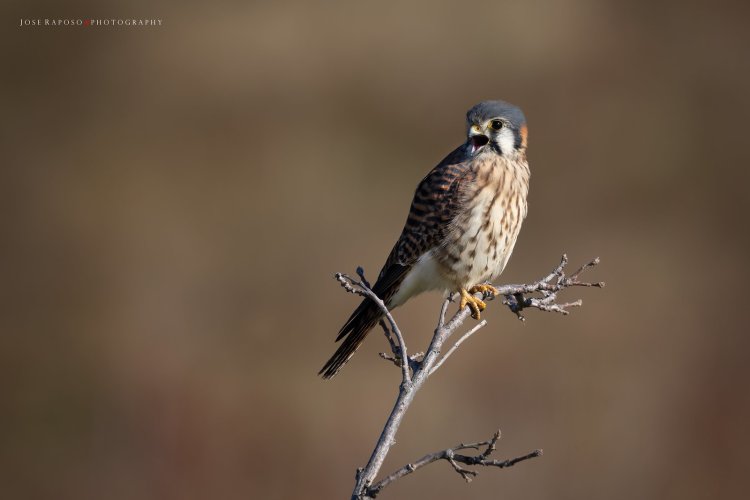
457, 344
588, 265
542, 295
395, 357
443, 311
396, 360
548, 287
394, 346
450, 455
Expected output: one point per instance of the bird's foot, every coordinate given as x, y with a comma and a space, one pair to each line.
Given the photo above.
487, 289
476, 305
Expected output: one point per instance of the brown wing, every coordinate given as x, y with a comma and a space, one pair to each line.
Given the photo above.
434, 206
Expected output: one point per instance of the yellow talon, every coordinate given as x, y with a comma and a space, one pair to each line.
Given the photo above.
484, 289
476, 305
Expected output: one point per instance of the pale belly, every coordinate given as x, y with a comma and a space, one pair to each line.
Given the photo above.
427, 274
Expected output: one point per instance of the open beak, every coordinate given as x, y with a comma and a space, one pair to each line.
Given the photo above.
477, 139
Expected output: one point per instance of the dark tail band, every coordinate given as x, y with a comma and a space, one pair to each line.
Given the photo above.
359, 324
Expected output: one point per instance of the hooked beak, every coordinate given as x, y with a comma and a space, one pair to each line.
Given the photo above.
477, 139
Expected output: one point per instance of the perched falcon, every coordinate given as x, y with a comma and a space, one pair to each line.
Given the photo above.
462, 225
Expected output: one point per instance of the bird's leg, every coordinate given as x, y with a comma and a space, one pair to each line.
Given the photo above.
476, 305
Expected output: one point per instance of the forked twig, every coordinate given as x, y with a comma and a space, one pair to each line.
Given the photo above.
450, 455
542, 295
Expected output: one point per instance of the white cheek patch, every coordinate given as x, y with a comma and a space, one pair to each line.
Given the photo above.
507, 140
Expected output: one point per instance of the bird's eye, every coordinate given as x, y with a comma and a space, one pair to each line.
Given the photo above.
496, 124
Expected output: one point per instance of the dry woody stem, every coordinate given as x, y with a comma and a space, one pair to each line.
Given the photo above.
417, 368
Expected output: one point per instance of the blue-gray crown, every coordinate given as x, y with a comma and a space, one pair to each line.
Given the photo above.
487, 110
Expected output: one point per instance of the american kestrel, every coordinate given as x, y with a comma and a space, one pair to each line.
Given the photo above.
462, 225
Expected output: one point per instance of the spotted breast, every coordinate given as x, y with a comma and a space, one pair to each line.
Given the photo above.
481, 238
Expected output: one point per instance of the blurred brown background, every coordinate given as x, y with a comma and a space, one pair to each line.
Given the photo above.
175, 201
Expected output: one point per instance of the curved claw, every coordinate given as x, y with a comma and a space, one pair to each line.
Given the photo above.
476, 305
486, 289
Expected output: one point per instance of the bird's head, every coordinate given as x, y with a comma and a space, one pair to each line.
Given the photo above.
496, 126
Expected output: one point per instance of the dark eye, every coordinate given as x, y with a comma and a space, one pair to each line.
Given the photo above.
496, 124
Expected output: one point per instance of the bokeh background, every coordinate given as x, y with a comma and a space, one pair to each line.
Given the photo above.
175, 201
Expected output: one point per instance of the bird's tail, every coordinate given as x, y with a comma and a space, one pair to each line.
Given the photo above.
356, 328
